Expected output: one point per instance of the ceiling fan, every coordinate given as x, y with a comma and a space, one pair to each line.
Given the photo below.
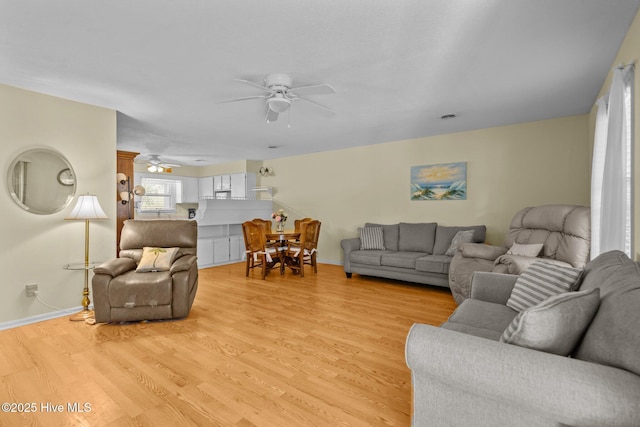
280, 94
154, 164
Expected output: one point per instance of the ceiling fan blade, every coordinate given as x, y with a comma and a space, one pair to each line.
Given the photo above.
272, 116
313, 90
329, 110
264, 88
244, 99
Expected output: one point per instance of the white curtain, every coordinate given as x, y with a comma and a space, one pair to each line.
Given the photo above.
611, 179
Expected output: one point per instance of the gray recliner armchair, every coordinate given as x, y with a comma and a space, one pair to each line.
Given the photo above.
564, 231
122, 292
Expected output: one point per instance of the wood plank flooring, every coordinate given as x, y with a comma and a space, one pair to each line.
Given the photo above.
321, 350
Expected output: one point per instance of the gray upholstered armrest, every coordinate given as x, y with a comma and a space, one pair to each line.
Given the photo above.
115, 267
492, 287
183, 263
480, 250
571, 391
349, 245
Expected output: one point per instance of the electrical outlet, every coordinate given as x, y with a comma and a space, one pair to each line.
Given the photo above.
31, 290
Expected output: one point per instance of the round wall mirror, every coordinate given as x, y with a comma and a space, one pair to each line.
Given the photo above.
41, 181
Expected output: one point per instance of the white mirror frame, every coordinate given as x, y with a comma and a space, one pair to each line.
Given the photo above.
41, 181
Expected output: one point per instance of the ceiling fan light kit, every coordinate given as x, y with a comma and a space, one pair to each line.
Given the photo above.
155, 165
278, 104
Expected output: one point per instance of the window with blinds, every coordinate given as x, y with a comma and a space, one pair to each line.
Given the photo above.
160, 195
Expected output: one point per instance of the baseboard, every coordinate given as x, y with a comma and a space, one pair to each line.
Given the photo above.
39, 318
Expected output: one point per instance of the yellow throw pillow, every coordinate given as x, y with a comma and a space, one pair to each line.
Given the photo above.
156, 259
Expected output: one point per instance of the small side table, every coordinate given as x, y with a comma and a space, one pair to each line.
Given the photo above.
85, 313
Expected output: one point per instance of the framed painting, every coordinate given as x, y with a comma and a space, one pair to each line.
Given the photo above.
446, 181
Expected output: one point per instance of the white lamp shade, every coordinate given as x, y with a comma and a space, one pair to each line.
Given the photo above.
87, 207
120, 177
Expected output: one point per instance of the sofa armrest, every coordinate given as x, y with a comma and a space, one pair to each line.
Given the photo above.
349, 245
570, 391
183, 263
492, 287
482, 251
115, 267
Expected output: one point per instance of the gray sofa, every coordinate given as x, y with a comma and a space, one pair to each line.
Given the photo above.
413, 252
463, 375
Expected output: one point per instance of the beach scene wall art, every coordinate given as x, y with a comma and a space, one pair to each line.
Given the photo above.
446, 181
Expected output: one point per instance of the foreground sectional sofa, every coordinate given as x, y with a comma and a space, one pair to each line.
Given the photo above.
413, 252
571, 360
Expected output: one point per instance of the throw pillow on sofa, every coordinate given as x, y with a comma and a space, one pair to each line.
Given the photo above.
555, 325
541, 281
461, 237
371, 238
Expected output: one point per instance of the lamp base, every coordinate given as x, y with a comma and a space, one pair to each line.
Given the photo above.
83, 316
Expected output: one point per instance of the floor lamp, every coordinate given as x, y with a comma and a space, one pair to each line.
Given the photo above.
87, 208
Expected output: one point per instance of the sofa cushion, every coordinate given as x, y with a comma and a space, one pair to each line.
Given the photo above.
434, 263
369, 257
556, 324
530, 250
400, 259
601, 269
464, 236
417, 237
444, 236
390, 235
472, 330
483, 315
541, 281
613, 338
371, 238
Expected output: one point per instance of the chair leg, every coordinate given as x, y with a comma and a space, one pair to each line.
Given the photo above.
301, 263
249, 258
314, 263
264, 266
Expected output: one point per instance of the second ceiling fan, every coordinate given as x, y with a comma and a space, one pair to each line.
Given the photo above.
280, 94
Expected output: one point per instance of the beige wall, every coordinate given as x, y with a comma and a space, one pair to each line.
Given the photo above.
35, 247
508, 168
629, 53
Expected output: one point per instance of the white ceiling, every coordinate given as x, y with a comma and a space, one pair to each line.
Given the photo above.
396, 65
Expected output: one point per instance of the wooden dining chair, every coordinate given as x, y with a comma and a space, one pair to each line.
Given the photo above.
296, 223
304, 251
259, 254
264, 223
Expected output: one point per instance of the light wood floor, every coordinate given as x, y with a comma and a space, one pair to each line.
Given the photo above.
321, 350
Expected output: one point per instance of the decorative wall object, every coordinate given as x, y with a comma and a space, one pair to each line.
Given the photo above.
446, 181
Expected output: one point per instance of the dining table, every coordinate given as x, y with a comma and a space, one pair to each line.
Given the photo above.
281, 238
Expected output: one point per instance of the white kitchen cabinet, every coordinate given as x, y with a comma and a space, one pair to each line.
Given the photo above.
205, 252
238, 185
221, 250
189, 189
222, 182
205, 187
236, 248
220, 237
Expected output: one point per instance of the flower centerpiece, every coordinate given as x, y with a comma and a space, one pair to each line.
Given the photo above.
280, 217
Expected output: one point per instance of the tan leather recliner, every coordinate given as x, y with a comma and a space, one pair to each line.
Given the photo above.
564, 231
122, 294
